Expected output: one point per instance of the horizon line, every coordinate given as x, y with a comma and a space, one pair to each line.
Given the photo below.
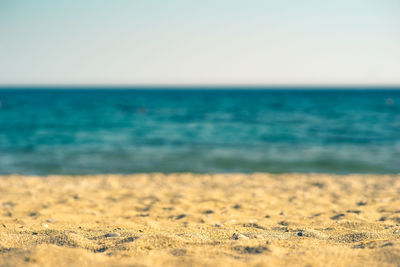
199, 86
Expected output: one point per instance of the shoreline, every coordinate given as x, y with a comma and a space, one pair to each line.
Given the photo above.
200, 219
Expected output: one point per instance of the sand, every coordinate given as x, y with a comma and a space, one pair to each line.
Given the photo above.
200, 220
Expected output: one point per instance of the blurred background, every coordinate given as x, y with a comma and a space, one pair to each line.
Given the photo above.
175, 42
204, 130
199, 86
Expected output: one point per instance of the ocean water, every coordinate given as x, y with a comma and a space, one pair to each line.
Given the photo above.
90, 131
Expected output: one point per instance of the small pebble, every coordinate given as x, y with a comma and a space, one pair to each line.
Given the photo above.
354, 211
218, 225
50, 220
112, 235
396, 232
239, 236
389, 244
180, 216
361, 203
46, 225
300, 234
338, 216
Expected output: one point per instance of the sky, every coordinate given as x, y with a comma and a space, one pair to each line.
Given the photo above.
207, 42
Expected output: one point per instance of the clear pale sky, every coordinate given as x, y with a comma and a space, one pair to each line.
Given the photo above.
256, 42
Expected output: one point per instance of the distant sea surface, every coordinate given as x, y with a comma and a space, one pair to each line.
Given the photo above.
91, 131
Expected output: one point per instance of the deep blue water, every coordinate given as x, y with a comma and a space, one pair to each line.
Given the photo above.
128, 131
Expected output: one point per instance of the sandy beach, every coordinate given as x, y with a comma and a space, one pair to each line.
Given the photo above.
200, 220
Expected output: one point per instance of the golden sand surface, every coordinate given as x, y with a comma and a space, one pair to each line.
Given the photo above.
200, 220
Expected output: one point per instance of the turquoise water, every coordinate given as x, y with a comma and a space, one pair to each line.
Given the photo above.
128, 131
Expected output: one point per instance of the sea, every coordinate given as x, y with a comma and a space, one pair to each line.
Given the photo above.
201, 130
